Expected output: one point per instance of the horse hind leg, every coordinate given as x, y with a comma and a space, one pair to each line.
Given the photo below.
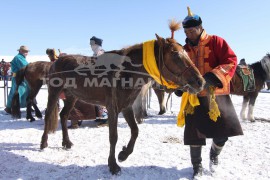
129, 117
64, 114
28, 110
251, 108
244, 107
31, 101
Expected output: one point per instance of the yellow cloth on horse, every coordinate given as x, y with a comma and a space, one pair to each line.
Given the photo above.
188, 103
150, 64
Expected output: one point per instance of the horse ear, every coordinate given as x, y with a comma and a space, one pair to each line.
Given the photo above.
161, 41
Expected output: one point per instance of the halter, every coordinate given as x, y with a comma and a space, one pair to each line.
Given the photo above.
175, 77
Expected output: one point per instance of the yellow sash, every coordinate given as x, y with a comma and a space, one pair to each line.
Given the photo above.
190, 101
150, 64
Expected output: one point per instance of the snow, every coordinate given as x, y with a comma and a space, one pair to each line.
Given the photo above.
159, 152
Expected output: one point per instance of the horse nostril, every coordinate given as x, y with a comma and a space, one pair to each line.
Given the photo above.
200, 82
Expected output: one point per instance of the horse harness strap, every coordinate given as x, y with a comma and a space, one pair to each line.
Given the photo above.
176, 77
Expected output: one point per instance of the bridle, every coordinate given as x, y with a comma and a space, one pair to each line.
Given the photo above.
165, 69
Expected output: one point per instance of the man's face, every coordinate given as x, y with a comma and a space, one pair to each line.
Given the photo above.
193, 33
24, 53
95, 48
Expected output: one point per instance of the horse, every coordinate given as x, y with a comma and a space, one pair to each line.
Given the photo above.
35, 74
261, 70
114, 92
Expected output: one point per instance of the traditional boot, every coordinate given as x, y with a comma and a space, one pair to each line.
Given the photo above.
214, 152
196, 159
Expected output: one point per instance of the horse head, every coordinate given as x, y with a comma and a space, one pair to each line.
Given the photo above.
177, 67
265, 62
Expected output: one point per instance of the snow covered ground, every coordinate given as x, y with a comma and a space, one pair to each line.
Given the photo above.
159, 151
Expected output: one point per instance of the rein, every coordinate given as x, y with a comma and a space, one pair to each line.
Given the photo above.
176, 77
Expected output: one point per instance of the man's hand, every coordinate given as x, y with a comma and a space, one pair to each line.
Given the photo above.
211, 80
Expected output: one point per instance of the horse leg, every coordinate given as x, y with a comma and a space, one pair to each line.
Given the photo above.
28, 110
113, 137
68, 105
244, 107
126, 151
251, 107
161, 99
51, 117
31, 101
37, 111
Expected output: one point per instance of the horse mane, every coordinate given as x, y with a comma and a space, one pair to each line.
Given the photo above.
126, 50
265, 62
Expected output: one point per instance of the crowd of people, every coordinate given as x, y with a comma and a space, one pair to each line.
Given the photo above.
215, 60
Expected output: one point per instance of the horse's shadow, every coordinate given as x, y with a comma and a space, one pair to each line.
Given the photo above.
15, 166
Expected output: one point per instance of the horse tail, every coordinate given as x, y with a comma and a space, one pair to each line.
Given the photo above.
52, 120
15, 103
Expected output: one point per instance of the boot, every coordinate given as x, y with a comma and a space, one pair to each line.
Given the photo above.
196, 160
214, 152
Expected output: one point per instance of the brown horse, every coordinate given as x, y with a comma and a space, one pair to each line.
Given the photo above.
114, 92
261, 71
35, 74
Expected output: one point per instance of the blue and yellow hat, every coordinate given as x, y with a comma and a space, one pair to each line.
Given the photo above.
192, 20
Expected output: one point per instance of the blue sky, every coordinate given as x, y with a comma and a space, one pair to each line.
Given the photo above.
69, 24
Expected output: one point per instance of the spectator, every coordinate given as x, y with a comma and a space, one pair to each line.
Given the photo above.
18, 62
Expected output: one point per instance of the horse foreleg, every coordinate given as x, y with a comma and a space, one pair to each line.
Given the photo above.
113, 137
251, 108
126, 151
244, 107
68, 105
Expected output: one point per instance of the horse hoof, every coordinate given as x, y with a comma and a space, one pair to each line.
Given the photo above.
123, 155
115, 170
32, 119
67, 145
161, 112
39, 115
43, 145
